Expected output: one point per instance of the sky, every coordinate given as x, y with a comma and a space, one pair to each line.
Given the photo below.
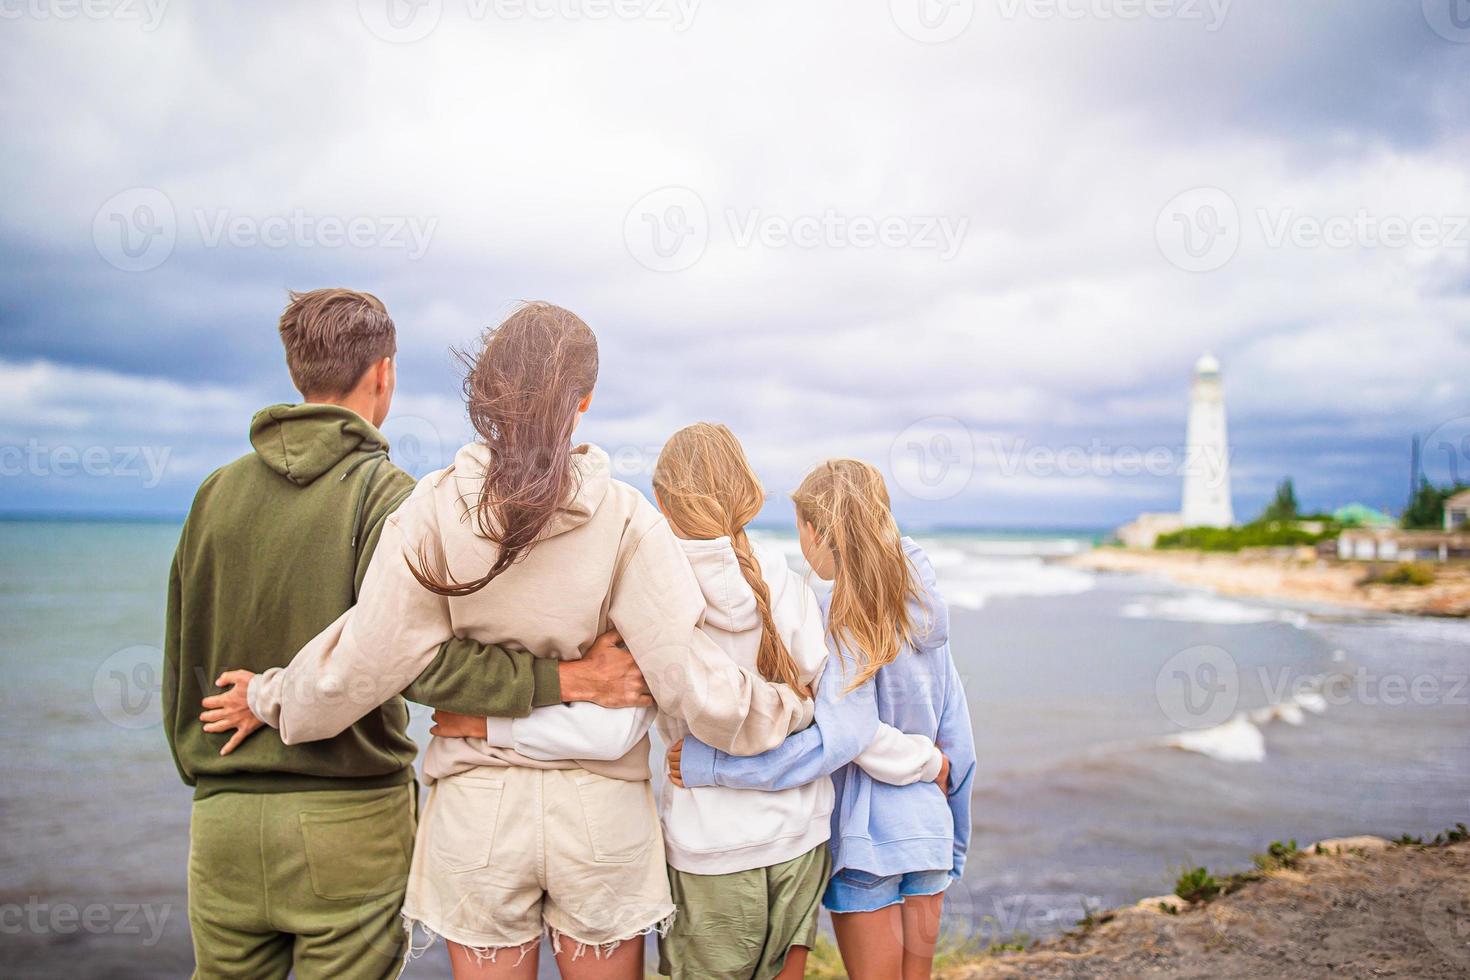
979, 244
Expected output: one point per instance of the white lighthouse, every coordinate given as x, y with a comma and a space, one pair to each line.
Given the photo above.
1207, 451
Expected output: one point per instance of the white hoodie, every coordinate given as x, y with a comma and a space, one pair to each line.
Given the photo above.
715, 830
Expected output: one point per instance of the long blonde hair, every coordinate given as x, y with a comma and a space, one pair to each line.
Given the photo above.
846, 502
707, 489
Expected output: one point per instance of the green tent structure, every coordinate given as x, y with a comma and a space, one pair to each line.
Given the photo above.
1361, 515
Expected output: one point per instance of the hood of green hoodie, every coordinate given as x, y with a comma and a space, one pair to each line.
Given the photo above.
301, 442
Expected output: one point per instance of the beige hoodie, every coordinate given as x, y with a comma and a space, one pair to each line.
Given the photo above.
607, 558
717, 830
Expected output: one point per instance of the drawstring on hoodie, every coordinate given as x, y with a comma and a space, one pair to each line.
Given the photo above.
377, 458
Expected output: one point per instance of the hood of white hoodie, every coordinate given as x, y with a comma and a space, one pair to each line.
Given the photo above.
591, 473
729, 598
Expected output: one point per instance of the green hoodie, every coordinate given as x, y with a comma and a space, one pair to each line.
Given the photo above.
274, 550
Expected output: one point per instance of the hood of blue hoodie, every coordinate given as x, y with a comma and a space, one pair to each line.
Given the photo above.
929, 613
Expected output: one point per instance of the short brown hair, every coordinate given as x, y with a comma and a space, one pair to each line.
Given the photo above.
332, 336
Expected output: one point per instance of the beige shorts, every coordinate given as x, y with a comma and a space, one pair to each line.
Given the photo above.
503, 855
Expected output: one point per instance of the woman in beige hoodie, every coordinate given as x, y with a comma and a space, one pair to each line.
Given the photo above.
531, 544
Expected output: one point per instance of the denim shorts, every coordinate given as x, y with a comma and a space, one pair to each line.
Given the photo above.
851, 890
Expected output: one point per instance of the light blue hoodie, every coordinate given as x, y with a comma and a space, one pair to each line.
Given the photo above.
878, 828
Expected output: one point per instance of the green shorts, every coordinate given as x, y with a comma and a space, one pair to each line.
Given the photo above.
739, 926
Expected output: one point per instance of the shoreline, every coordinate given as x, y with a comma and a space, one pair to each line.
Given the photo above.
1350, 907
1290, 579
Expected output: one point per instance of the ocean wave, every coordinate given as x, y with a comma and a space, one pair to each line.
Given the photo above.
1243, 737
1201, 607
974, 570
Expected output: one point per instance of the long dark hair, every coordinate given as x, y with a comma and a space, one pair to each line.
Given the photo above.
522, 390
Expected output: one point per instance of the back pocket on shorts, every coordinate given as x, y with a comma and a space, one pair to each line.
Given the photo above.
463, 816
356, 851
621, 822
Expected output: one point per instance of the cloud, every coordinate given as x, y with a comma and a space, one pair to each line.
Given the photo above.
510, 149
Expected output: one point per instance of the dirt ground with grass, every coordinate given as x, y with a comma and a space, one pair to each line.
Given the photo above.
1287, 579
1364, 908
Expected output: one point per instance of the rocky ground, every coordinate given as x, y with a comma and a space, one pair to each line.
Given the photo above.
1362, 908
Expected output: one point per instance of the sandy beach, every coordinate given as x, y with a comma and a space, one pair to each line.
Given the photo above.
1361, 908
1291, 579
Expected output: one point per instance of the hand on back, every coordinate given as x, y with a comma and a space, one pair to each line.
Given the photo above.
606, 675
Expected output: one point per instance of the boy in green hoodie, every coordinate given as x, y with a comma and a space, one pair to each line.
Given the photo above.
299, 854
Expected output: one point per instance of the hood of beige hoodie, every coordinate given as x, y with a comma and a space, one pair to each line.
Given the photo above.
591, 474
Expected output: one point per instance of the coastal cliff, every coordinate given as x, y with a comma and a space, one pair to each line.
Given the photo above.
1348, 908
1291, 579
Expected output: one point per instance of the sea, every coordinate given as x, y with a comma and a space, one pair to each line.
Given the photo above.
1127, 729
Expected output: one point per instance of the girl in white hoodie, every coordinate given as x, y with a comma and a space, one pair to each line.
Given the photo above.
747, 867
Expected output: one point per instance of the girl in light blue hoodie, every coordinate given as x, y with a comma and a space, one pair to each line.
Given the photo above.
895, 849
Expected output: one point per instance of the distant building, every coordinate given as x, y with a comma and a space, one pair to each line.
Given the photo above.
1388, 544
1206, 500
1457, 512
1207, 451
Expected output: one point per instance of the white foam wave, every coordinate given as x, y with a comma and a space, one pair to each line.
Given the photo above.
1200, 607
1243, 737
974, 570
1235, 741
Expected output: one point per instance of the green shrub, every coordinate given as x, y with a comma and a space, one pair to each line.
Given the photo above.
1197, 885
1256, 535
1407, 573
